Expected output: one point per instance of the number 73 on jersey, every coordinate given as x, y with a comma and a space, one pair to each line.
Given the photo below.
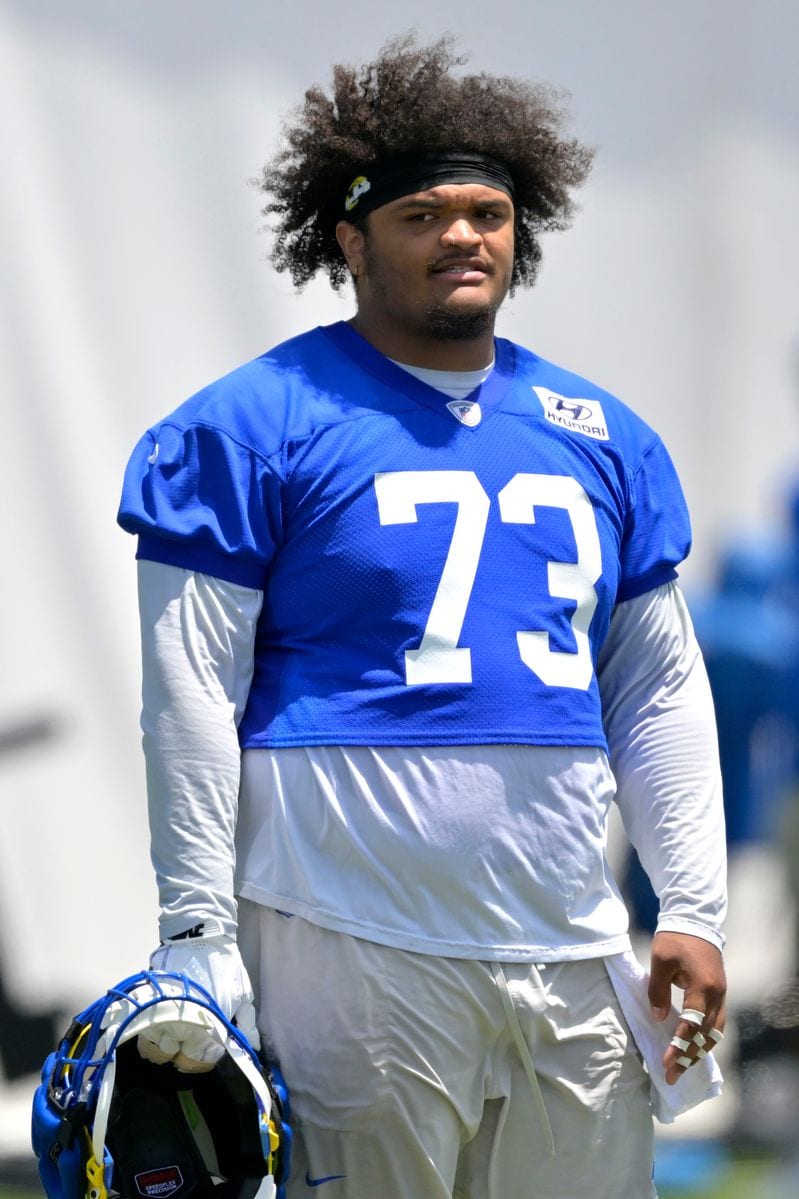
439, 658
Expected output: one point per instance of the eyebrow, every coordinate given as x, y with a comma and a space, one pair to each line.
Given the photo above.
488, 202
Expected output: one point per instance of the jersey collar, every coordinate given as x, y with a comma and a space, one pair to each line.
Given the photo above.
489, 394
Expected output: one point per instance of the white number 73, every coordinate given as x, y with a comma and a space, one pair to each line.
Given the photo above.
439, 659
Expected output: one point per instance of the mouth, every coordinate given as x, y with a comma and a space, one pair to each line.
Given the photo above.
461, 270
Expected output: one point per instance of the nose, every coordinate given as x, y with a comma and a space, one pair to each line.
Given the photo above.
461, 233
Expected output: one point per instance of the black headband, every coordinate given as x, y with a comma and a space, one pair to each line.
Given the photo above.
383, 182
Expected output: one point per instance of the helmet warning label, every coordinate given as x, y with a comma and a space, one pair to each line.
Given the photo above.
164, 1181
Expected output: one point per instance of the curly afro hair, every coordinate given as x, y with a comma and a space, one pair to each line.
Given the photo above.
406, 101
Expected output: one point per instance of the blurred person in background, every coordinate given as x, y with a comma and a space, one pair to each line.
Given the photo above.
748, 627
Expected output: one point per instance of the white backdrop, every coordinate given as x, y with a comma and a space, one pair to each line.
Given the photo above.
134, 271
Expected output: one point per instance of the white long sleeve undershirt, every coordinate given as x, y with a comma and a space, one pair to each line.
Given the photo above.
540, 889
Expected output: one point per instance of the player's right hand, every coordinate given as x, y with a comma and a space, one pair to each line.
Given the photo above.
188, 1042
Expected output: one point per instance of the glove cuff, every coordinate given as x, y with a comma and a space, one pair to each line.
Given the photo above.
206, 930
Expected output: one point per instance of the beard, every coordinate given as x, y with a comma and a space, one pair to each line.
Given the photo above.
444, 324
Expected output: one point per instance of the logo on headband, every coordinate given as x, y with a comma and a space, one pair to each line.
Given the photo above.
359, 187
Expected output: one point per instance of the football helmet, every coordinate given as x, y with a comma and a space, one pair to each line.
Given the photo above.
105, 1121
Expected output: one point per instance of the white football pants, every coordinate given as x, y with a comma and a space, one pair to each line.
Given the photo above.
418, 1077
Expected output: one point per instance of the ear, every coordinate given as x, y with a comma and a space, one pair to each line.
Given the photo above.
350, 239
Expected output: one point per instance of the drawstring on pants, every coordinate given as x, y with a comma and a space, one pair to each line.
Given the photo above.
524, 1052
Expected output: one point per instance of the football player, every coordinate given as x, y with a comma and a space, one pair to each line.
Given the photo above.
410, 624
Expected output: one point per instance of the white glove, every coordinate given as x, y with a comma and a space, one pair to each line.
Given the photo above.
188, 1042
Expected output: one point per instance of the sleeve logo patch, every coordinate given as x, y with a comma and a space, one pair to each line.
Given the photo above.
156, 1184
576, 415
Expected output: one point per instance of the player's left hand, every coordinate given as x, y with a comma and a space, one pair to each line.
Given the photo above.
697, 968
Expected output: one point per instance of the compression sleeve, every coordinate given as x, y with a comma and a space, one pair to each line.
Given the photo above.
660, 724
197, 661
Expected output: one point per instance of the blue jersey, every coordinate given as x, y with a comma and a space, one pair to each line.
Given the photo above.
434, 572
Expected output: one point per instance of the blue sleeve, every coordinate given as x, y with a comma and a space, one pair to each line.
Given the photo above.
200, 499
657, 534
